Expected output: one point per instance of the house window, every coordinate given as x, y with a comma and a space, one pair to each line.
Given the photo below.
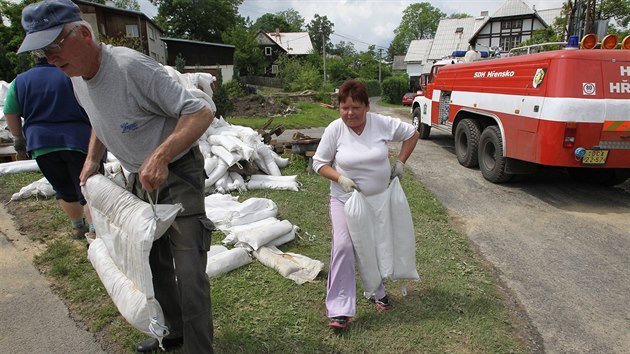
274, 69
132, 30
459, 30
267, 51
509, 42
151, 33
511, 24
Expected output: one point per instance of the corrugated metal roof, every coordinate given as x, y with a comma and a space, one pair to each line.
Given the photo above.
549, 15
513, 8
418, 51
296, 43
452, 34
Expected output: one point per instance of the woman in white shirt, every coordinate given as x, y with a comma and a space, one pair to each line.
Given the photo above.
353, 154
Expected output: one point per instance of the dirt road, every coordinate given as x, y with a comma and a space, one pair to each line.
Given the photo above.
560, 246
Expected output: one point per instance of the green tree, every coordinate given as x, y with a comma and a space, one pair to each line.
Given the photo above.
248, 58
320, 29
270, 22
340, 69
419, 21
397, 47
617, 10
11, 36
459, 15
293, 18
343, 49
297, 74
201, 20
127, 4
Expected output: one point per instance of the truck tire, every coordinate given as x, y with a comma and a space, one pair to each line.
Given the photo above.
467, 142
491, 159
423, 129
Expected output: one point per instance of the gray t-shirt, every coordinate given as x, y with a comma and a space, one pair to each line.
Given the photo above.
133, 104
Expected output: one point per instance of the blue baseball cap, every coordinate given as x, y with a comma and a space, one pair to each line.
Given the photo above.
43, 22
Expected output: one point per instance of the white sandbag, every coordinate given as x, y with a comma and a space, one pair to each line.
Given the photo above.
221, 184
269, 164
292, 266
290, 236
238, 183
203, 97
258, 233
220, 208
204, 147
223, 154
18, 166
273, 182
404, 234
41, 187
142, 312
216, 249
224, 262
204, 82
357, 210
209, 164
282, 162
252, 210
228, 142
127, 227
257, 237
218, 171
382, 232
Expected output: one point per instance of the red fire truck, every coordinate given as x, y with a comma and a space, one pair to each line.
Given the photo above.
565, 108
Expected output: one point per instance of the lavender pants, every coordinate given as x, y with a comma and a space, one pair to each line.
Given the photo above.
341, 293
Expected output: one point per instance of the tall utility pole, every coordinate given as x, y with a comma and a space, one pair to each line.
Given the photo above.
324, 54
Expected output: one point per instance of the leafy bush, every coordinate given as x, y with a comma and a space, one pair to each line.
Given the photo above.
394, 88
233, 89
373, 87
324, 94
222, 100
297, 75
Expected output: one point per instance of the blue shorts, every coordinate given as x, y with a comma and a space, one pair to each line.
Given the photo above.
62, 170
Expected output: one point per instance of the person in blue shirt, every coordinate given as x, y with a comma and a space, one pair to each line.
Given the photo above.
55, 132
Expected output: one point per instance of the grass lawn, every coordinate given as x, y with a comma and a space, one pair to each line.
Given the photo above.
456, 307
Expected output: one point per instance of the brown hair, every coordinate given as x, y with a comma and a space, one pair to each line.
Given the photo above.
353, 89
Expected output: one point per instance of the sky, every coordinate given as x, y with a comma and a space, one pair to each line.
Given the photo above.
366, 22
370, 22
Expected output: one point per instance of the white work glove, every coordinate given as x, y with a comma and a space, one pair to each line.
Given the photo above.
347, 184
397, 170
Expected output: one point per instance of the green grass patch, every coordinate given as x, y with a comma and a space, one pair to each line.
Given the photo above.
309, 115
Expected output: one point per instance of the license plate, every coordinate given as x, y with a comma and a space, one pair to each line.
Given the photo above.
595, 157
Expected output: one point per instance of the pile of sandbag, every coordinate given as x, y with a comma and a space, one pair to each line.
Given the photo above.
252, 226
227, 148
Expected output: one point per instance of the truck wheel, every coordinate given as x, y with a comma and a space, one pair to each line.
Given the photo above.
467, 142
602, 176
423, 129
491, 159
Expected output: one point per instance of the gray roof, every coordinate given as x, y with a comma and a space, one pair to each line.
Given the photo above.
418, 51
292, 42
513, 8
454, 34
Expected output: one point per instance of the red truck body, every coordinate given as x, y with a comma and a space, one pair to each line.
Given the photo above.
566, 108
